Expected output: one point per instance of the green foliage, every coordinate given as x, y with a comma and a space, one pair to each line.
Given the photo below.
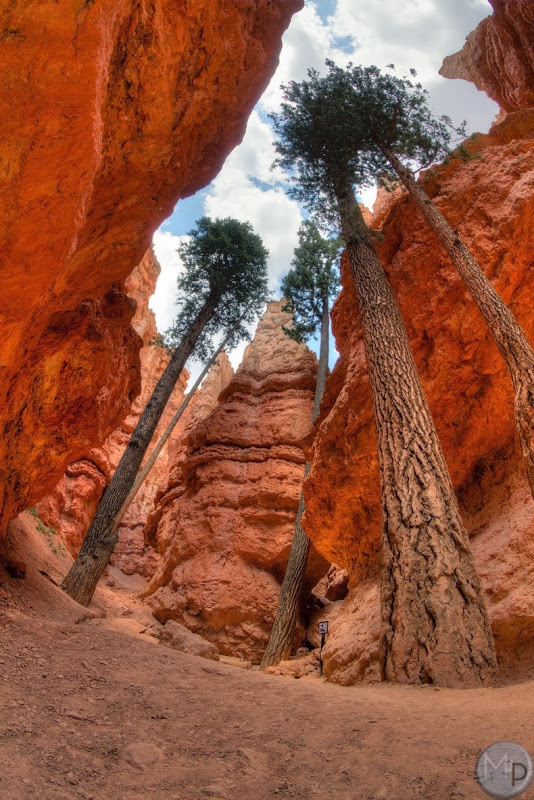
464, 154
50, 533
314, 278
159, 341
225, 260
332, 130
392, 112
317, 144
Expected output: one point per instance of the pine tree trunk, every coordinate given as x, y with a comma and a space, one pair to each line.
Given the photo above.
509, 336
435, 626
142, 476
289, 603
99, 543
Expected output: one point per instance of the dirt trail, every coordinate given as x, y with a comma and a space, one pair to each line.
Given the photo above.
92, 711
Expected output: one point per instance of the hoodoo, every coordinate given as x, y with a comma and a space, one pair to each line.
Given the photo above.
225, 522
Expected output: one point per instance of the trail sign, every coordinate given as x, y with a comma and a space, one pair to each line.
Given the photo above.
323, 630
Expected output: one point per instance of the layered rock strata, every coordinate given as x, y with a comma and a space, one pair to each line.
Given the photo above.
224, 526
498, 57
113, 110
70, 507
134, 552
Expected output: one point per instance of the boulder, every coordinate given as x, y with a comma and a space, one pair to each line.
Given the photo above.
178, 637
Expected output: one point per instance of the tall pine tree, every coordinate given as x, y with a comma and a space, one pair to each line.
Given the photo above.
307, 288
403, 136
224, 286
435, 626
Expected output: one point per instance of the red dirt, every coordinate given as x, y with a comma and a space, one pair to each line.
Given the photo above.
94, 710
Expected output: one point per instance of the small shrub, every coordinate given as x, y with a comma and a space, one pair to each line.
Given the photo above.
49, 533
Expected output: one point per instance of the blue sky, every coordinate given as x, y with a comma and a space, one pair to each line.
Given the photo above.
408, 33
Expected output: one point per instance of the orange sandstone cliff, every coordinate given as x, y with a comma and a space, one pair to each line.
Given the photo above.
225, 522
490, 201
70, 507
498, 57
113, 110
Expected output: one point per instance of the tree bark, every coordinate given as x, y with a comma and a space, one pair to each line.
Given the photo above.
289, 603
508, 334
165, 436
435, 627
98, 545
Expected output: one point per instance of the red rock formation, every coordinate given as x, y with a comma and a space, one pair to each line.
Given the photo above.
490, 201
70, 507
201, 406
499, 515
226, 520
498, 57
112, 110
133, 552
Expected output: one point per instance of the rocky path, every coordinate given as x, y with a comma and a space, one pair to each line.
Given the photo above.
92, 709
90, 712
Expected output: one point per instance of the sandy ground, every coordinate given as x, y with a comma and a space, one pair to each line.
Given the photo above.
92, 709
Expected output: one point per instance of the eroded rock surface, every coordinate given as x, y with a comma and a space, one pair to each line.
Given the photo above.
178, 637
112, 112
489, 200
498, 57
134, 552
225, 523
70, 507
499, 514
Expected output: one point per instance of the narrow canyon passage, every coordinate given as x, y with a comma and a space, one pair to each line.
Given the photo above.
127, 122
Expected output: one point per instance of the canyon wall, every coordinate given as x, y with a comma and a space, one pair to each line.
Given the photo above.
225, 522
498, 57
113, 110
71, 505
490, 200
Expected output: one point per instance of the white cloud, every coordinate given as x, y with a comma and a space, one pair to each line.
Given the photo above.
234, 193
419, 34
307, 43
256, 153
272, 214
163, 301
368, 196
409, 33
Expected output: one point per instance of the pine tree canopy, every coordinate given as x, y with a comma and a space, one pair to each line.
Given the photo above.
313, 278
317, 145
330, 131
392, 112
224, 259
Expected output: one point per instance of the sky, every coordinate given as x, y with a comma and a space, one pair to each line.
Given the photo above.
407, 33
